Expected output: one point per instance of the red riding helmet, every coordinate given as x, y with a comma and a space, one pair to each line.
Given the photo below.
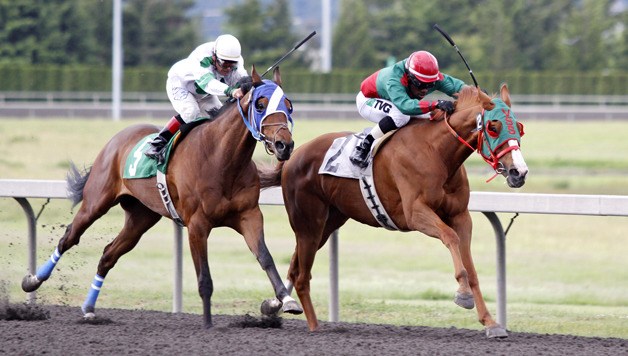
424, 66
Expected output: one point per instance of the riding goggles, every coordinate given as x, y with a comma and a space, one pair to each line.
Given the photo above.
419, 84
226, 64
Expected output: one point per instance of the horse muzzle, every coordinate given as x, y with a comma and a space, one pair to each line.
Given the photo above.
515, 178
283, 150
513, 167
516, 171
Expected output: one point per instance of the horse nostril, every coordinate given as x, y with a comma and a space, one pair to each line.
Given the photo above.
513, 172
280, 146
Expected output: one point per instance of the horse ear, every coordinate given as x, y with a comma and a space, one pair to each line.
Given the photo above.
485, 100
483, 95
255, 76
505, 94
277, 76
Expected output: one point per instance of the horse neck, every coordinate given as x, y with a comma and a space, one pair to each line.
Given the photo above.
463, 123
231, 137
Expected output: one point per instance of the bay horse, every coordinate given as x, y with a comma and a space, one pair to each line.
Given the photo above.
212, 181
421, 181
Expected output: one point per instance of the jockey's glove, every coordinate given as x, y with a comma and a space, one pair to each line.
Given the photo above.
445, 105
229, 91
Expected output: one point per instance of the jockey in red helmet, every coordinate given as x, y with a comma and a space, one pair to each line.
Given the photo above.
393, 95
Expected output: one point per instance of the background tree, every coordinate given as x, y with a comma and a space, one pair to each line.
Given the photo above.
494, 35
535, 43
158, 32
353, 46
39, 32
587, 36
265, 33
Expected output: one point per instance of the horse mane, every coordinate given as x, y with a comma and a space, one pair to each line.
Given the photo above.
468, 97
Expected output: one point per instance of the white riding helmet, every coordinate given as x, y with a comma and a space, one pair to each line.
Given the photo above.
227, 48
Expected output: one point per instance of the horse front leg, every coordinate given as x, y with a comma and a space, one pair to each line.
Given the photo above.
197, 236
463, 226
250, 225
426, 221
273, 306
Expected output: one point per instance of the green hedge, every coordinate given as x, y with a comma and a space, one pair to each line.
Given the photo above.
152, 79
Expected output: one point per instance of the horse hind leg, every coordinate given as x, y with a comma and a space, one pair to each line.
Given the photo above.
138, 219
84, 218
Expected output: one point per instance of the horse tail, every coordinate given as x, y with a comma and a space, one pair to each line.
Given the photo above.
269, 176
76, 183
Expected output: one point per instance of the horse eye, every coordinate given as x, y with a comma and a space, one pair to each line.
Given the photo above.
289, 105
259, 104
492, 128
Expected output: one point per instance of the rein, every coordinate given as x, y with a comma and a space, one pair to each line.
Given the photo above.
254, 131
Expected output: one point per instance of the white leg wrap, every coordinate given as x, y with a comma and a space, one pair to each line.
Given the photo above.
287, 299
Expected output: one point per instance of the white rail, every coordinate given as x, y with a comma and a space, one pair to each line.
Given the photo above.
489, 203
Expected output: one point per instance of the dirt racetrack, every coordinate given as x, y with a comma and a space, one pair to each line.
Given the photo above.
62, 331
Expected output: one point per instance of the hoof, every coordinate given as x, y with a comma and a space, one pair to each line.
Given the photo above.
464, 300
271, 307
496, 331
89, 316
30, 283
292, 307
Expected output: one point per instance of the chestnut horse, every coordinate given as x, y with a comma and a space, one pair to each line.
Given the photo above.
212, 181
421, 181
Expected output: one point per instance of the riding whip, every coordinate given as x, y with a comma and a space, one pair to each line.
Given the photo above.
451, 41
287, 54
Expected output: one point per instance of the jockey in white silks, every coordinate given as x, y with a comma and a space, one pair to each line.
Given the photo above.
194, 83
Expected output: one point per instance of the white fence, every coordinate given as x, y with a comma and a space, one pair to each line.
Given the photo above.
488, 203
98, 98
84, 105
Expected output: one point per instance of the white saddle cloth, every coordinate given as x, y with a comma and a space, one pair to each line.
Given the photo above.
337, 163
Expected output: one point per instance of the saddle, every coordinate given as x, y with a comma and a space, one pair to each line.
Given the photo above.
138, 165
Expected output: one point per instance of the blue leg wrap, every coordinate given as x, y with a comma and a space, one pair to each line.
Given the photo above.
92, 295
46, 269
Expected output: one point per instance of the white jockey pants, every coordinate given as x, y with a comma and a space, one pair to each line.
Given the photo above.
375, 109
188, 104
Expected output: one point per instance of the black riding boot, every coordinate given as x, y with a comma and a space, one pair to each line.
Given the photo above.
157, 148
361, 152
